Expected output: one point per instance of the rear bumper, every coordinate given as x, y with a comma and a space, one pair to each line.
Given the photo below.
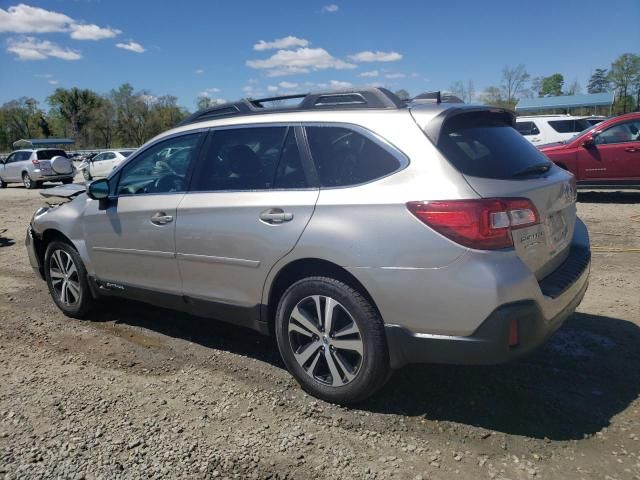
489, 344
38, 176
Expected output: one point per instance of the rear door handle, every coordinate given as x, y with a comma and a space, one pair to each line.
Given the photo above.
161, 218
275, 216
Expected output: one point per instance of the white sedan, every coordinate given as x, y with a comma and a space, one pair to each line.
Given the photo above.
102, 164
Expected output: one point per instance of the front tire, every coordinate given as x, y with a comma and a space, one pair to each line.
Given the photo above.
28, 182
67, 280
3, 184
87, 176
332, 340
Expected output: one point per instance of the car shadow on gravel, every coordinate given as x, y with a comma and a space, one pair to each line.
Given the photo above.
203, 331
5, 241
571, 388
623, 197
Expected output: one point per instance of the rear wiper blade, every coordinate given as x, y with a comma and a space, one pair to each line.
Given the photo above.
537, 168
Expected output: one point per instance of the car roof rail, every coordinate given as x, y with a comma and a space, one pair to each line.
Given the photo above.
436, 97
361, 98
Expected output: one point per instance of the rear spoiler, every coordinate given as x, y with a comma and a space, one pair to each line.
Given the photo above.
434, 128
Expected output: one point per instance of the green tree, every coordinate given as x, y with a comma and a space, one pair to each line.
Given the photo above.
552, 85
104, 122
492, 95
132, 114
20, 119
574, 88
623, 75
77, 107
599, 82
514, 84
203, 102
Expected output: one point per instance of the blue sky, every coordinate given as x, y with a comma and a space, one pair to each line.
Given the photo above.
189, 47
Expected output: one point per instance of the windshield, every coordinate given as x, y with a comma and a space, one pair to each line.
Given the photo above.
590, 127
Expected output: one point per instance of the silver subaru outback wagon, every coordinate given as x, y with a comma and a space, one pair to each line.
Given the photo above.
362, 231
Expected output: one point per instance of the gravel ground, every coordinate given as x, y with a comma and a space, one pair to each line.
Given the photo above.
146, 392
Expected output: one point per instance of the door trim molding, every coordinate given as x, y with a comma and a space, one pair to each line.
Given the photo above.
242, 262
133, 251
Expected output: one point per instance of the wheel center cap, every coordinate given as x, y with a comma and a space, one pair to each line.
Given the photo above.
325, 340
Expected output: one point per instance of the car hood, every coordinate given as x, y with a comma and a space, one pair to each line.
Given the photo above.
64, 191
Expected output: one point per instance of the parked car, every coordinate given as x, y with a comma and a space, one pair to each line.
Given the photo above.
32, 167
103, 163
543, 129
604, 155
362, 231
594, 120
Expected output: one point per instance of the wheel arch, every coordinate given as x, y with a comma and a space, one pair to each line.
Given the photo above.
303, 268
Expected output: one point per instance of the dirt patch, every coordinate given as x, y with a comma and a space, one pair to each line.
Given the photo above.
142, 391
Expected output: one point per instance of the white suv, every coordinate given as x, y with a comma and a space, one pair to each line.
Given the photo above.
543, 129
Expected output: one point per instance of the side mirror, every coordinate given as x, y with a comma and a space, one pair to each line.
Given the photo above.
589, 141
99, 189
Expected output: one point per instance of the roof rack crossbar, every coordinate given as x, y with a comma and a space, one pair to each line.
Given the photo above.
364, 98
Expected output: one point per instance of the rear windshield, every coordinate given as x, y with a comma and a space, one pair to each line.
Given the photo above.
483, 145
49, 154
569, 126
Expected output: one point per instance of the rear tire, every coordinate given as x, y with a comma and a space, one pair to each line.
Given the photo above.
332, 340
28, 182
66, 278
3, 184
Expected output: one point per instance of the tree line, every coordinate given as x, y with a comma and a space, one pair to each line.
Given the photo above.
125, 117
623, 78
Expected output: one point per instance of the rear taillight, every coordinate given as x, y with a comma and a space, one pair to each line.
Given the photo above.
36, 162
483, 224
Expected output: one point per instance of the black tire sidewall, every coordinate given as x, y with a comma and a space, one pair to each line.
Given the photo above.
81, 308
31, 185
374, 370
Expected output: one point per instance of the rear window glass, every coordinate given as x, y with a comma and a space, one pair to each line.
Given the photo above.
482, 145
49, 154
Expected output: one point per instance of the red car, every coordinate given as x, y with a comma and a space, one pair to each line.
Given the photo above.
605, 155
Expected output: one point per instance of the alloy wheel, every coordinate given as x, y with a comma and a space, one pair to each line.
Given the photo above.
26, 179
64, 277
326, 340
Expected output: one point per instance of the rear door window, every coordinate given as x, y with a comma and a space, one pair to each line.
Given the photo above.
345, 157
527, 128
569, 126
483, 145
251, 158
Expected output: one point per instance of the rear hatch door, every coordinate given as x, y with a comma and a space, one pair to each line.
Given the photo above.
44, 159
497, 162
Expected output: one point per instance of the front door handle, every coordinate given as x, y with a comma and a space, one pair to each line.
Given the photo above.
161, 218
275, 216
632, 150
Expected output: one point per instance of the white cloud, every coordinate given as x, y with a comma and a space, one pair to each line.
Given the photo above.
371, 73
209, 91
272, 88
199, 71
52, 82
286, 42
288, 85
302, 60
252, 90
332, 8
340, 84
369, 56
92, 32
131, 46
30, 48
216, 101
27, 19
43, 75
395, 75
